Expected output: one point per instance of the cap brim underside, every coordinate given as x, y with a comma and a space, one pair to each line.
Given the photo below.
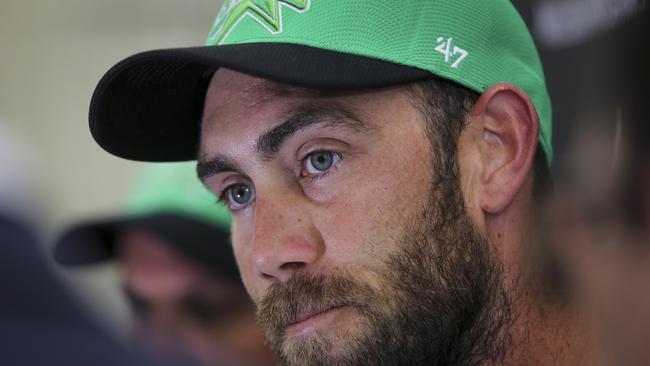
201, 242
88, 242
148, 107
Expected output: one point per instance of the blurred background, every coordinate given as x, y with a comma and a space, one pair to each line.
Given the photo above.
53, 53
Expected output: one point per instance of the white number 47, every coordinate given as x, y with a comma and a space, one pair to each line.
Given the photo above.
447, 48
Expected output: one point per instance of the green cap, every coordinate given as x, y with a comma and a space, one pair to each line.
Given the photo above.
175, 188
326, 44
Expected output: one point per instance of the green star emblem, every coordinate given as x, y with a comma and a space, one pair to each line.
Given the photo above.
266, 12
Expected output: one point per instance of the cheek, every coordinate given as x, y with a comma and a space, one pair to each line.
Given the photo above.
375, 203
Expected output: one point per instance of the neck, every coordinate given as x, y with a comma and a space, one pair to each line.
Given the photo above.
546, 335
542, 331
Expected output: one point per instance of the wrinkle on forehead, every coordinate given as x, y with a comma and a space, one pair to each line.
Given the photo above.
247, 90
251, 92
261, 90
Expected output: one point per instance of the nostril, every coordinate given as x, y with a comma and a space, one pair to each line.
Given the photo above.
292, 265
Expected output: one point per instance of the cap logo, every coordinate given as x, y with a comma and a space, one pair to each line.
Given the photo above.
451, 52
268, 13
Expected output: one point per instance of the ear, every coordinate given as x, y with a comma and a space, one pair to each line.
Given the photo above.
508, 128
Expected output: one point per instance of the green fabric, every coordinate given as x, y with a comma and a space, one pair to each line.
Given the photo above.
174, 187
476, 43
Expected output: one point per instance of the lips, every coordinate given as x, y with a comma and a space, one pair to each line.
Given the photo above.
308, 314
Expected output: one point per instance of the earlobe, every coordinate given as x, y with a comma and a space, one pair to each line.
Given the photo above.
507, 143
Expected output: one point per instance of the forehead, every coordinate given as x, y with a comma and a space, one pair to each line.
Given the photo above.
231, 91
239, 107
228, 86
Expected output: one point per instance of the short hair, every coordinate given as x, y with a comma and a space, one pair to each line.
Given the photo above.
445, 106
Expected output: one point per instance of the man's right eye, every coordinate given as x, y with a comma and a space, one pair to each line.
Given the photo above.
239, 195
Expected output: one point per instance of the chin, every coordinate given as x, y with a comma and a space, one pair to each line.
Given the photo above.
327, 340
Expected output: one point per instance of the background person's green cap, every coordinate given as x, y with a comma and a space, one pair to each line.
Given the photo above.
148, 106
169, 201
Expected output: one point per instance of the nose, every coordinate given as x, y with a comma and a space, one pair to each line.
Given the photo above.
285, 239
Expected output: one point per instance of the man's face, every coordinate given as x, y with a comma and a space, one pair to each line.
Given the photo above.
342, 238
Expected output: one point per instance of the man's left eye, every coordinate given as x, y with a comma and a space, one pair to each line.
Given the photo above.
319, 162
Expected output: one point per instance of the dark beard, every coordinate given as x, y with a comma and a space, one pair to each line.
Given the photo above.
442, 300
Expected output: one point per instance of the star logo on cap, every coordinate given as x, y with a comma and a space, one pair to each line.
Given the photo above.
267, 13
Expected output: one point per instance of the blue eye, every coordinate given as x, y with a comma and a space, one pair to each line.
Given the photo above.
240, 194
322, 160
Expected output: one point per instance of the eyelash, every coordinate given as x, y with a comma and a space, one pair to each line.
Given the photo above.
221, 199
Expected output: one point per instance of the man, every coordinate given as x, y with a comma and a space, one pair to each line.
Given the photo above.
177, 269
382, 164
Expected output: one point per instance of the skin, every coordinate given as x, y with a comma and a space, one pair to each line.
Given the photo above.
301, 221
163, 282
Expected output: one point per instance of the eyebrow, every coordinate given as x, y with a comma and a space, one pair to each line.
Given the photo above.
215, 165
271, 141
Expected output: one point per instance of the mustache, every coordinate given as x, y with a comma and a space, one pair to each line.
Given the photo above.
305, 295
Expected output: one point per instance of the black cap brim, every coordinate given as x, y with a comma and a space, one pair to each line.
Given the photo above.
201, 242
148, 107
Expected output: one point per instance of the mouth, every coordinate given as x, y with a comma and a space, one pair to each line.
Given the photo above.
312, 319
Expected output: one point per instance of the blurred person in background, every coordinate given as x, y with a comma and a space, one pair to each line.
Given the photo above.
178, 270
600, 219
40, 321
